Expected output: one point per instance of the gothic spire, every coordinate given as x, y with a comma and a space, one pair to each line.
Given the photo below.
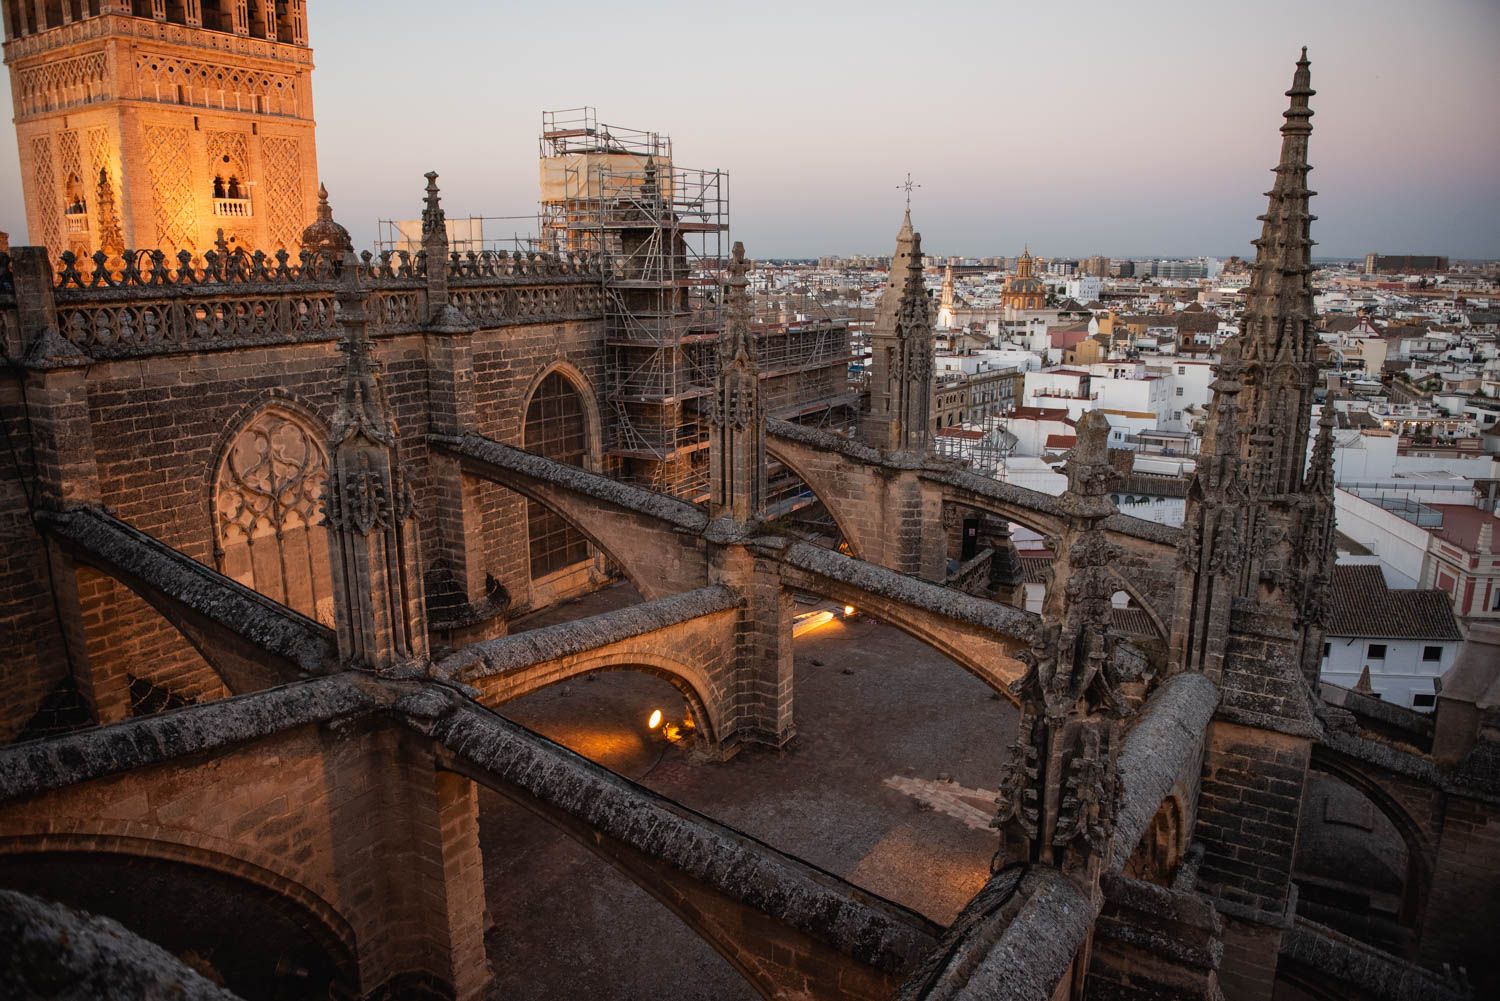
1059, 789
1278, 313
368, 502
110, 240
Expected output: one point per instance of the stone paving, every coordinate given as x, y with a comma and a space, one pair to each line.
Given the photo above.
884, 786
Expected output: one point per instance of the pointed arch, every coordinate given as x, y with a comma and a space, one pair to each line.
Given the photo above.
265, 504
559, 420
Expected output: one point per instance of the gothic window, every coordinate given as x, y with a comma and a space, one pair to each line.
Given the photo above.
268, 522
555, 427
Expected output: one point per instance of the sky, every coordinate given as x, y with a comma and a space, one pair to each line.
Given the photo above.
1125, 129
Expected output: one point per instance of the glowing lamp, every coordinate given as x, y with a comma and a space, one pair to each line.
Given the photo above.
848, 611
655, 720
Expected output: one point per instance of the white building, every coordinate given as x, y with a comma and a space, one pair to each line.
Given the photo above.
1144, 395
1084, 289
1403, 639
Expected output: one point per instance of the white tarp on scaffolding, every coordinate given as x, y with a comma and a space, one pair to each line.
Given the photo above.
464, 235
576, 176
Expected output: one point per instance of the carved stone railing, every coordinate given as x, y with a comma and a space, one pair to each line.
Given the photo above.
236, 208
500, 264
177, 319
146, 302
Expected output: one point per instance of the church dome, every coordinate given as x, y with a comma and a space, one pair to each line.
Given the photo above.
323, 234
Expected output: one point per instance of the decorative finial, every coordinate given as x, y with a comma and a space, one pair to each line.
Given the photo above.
324, 234
432, 210
907, 186
736, 339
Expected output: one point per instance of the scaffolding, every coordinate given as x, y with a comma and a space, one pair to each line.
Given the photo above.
466, 234
662, 231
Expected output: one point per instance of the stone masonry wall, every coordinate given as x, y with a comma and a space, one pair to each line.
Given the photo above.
1465, 894
36, 659
159, 425
354, 819
1248, 809
507, 364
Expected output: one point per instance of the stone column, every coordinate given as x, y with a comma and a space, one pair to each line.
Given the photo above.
761, 701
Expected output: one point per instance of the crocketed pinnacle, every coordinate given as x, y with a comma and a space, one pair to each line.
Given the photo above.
1320, 468
361, 408
1279, 309
1222, 433
912, 315
432, 211
734, 345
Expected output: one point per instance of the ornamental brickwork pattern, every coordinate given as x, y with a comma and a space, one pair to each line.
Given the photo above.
170, 173
48, 207
214, 85
281, 158
62, 84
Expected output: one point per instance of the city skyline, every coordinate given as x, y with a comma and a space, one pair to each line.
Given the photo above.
1103, 134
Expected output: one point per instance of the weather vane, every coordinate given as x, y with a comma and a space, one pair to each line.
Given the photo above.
907, 187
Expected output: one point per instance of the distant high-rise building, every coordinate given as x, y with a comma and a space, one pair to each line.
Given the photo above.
1403, 264
133, 136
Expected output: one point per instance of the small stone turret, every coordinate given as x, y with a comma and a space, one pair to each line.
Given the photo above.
323, 235
901, 366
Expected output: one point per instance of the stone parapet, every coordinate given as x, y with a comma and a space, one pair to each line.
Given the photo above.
146, 303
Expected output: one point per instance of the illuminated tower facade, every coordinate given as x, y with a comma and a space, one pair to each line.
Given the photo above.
154, 124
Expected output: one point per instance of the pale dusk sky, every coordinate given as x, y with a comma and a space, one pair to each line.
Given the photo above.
1086, 127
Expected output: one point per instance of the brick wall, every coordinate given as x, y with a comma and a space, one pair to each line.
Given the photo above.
1248, 808
1462, 919
36, 659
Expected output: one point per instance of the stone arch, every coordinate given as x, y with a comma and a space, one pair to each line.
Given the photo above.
1139, 601
265, 507
1162, 846
239, 865
1420, 851
559, 420
630, 540
835, 511
699, 910
585, 390
982, 657
704, 700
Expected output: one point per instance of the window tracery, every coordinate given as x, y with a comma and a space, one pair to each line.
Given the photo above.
268, 520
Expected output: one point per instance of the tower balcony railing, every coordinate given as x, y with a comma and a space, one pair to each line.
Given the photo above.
234, 208
77, 223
